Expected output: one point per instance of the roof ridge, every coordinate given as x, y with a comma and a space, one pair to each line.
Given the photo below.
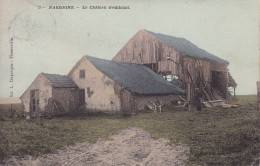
118, 61
186, 46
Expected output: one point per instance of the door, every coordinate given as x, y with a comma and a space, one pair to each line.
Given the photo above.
34, 100
82, 97
127, 102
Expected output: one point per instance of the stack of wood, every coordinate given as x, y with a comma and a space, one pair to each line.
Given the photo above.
201, 83
217, 95
204, 87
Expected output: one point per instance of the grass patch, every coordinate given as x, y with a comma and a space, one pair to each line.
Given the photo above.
215, 136
7, 114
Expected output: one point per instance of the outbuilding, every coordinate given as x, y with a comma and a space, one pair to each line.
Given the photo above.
118, 87
51, 94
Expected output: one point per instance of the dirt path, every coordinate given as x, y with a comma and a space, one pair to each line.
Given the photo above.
133, 146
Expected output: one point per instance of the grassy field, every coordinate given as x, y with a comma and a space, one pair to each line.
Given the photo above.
215, 136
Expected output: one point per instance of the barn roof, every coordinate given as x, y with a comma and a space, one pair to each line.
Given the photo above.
134, 77
60, 81
186, 47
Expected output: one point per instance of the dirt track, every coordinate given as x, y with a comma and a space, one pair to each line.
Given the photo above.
133, 146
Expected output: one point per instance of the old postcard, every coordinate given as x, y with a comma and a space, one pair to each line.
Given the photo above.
126, 82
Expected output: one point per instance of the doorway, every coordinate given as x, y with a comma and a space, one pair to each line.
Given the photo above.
217, 84
34, 100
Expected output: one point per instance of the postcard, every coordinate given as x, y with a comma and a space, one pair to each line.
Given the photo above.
126, 82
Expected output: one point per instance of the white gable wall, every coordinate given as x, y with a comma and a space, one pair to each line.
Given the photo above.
45, 92
99, 89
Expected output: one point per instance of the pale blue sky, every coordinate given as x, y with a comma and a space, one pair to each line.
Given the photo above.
52, 41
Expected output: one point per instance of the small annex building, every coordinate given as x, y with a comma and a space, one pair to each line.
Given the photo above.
51, 94
118, 87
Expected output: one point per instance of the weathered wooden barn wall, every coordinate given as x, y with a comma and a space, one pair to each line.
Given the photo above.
198, 74
142, 100
45, 92
144, 48
68, 98
99, 89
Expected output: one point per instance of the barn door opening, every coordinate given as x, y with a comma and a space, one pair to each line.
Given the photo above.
218, 85
34, 100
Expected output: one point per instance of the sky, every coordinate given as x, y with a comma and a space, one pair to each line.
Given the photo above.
53, 40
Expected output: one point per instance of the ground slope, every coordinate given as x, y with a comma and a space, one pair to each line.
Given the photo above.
133, 146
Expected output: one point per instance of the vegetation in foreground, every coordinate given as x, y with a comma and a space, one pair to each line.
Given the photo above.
215, 136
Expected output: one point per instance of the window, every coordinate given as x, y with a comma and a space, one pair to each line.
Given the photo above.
34, 100
82, 74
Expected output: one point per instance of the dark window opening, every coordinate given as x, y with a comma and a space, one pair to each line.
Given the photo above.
82, 74
34, 100
218, 83
82, 96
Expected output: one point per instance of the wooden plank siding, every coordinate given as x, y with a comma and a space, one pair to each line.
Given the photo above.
145, 49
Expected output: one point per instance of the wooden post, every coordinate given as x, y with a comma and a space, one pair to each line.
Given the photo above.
188, 92
226, 84
258, 94
234, 92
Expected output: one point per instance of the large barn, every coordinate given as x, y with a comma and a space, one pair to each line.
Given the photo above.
115, 87
181, 60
